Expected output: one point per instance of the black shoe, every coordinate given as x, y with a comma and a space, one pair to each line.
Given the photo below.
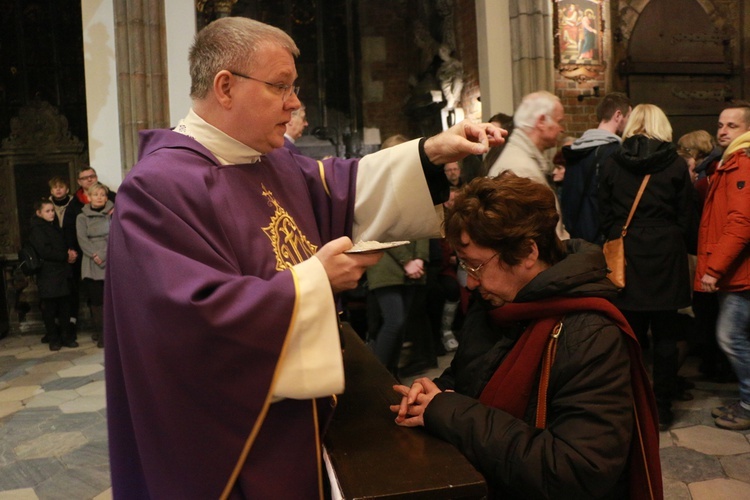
666, 417
73, 330
684, 384
55, 346
100, 342
70, 343
45, 339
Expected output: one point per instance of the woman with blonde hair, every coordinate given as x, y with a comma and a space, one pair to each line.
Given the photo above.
657, 278
92, 229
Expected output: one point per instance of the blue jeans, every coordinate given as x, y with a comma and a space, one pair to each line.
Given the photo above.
733, 334
394, 302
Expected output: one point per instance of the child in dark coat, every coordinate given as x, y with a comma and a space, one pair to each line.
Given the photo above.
53, 280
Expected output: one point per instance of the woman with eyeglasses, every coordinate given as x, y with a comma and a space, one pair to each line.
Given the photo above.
586, 429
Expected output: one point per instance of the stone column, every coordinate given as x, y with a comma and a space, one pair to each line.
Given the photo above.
141, 56
532, 43
495, 57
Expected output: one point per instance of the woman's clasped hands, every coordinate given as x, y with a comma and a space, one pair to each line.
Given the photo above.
414, 401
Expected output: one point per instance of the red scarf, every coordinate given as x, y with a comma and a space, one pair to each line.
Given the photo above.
82, 196
523, 363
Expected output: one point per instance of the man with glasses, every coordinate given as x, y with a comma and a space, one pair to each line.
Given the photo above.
225, 253
571, 433
86, 178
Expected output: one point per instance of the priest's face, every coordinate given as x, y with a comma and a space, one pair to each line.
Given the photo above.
265, 99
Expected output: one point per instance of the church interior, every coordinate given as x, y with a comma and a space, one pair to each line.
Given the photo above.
80, 79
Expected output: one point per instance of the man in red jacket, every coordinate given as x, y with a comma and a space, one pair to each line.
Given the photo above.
724, 255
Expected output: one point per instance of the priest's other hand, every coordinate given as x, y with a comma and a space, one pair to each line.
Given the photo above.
344, 270
461, 140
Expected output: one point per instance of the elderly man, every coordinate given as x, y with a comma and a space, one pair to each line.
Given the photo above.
538, 123
724, 256
225, 253
582, 427
294, 129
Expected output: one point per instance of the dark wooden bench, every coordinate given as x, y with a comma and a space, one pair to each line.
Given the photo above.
373, 457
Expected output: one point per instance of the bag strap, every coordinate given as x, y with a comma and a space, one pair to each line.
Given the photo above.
547, 361
635, 204
592, 172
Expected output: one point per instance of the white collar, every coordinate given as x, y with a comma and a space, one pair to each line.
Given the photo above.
228, 150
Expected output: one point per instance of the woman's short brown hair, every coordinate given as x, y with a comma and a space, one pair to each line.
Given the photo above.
696, 144
506, 214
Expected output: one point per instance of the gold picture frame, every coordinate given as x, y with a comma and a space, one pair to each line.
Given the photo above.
579, 29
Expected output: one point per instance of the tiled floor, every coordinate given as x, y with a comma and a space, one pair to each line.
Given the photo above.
53, 433
53, 440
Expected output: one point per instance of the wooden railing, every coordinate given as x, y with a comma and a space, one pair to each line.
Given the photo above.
372, 457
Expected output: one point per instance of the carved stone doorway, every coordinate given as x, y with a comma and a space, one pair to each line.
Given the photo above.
683, 56
40, 146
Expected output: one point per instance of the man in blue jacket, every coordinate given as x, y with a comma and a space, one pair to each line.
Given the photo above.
583, 159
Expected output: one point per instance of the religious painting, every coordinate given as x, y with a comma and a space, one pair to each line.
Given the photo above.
579, 30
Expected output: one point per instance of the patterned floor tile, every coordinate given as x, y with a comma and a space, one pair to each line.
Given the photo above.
10, 408
89, 455
737, 466
53, 444
33, 379
93, 389
68, 383
719, 489
67, 422
80, 370
29, 473
52, 398
22, 494
49, 367
19, 393
711, 440
84, 404
689, 466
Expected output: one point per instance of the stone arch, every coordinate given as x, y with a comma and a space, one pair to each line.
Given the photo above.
630, 11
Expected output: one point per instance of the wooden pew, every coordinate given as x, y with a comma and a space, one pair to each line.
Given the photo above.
372, 457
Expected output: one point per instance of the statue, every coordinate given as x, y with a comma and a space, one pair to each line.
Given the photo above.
450, 73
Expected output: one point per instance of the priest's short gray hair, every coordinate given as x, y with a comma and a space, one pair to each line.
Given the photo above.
230, 43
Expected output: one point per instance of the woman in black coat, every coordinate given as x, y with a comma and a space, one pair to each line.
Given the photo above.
656, 274
53, 279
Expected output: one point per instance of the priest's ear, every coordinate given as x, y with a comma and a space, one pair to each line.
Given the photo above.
224, 87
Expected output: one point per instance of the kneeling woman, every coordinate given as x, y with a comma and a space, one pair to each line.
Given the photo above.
582, 425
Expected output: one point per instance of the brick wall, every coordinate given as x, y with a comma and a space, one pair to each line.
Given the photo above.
466, 39
388, 58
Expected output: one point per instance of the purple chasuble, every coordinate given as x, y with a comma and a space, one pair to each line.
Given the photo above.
198, 304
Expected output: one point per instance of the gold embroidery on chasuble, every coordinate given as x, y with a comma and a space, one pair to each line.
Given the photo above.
289, 244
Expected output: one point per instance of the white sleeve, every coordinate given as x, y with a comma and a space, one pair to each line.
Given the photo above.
312, 365
392, 199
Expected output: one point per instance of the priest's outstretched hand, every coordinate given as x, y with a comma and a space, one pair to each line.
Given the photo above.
344, 270
461, 140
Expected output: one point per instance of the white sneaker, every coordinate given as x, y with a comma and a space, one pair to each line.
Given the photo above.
450, 343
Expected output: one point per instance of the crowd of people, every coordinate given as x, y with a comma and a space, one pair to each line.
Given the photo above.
69, 233
221, 270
